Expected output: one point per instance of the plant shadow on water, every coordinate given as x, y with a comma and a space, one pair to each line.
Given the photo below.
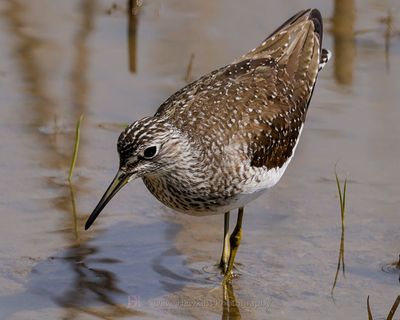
342, 203
344, 42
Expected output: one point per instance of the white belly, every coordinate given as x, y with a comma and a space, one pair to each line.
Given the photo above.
265, 179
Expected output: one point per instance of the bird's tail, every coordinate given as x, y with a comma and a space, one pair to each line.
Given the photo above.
296, 41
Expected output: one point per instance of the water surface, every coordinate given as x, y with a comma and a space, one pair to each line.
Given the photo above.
60, 59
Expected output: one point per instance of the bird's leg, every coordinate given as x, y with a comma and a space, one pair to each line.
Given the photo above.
234, 244
226, 248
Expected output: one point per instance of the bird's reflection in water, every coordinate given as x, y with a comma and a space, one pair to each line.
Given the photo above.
230, 308
191, 290
93, 290
84, 287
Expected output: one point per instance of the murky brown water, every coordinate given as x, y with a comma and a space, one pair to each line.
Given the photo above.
63, 58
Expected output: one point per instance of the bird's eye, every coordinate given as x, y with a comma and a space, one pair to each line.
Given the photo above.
150, 152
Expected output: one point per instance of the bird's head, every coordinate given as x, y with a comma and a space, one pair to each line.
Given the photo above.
147, 147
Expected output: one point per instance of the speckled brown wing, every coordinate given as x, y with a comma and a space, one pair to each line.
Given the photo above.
261, 99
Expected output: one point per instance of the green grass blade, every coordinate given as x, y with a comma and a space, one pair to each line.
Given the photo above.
76, 148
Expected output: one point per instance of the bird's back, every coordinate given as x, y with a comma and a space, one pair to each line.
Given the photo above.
260, 99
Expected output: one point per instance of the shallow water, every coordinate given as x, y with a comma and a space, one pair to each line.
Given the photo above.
60, 59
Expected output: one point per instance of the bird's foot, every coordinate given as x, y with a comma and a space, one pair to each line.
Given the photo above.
229, 276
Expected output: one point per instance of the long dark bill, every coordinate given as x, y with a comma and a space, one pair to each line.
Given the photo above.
119, 181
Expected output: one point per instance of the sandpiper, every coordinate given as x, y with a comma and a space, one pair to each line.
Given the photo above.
224, 139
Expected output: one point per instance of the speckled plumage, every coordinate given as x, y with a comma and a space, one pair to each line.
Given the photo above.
230, 135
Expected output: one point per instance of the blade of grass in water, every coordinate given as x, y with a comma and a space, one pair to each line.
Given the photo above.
343, 226
369, 310
76, 147
394, 308
74, 216
391, 312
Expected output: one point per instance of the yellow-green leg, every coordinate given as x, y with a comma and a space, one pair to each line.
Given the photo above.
234, 242
226, 248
